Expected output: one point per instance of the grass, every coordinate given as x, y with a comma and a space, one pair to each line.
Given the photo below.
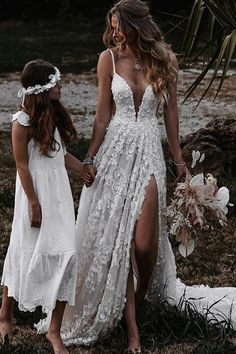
72, 45
163, 328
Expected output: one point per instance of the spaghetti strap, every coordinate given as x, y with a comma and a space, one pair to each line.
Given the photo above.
113, 61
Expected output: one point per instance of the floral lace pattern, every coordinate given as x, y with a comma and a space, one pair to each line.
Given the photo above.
130, 154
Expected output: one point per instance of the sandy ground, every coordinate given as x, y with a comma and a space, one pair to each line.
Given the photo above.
79, 94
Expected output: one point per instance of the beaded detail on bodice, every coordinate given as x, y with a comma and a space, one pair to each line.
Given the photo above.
124, 100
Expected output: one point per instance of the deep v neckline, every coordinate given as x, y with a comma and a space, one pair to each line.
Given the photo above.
136, 112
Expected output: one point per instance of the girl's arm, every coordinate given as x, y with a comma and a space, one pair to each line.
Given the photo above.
103, 113
172, 127
20, 151
73, 164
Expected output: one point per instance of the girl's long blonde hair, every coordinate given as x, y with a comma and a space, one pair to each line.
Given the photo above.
146, 41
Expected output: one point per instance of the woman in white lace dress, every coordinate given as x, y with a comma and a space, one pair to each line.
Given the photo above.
121, 215
40, 268
121, 227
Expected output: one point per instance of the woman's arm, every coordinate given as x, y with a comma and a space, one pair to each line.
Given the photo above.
103, 113
172, 126
20, 151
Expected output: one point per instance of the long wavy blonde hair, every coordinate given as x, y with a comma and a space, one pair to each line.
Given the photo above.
145, 39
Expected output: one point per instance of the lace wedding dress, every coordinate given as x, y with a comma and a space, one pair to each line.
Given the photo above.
130, 154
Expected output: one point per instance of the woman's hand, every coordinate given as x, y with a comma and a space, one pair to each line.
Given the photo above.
35, 214
88, 174
181, 171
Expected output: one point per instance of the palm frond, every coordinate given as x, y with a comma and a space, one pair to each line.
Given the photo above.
229, 50
192, 28
217, 48
222, 10
200, 78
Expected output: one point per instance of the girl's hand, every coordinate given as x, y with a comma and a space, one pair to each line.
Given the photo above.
88, 174
181, 171
35, 215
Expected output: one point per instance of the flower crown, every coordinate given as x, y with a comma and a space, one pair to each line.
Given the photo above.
35, 90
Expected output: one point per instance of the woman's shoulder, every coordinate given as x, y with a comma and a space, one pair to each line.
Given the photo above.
108, 53
22, 117
105, 56
105, 61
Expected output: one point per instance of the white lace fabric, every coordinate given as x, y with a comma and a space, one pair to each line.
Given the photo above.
130, 154
41, 263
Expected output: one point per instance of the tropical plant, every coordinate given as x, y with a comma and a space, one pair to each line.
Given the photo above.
217, 47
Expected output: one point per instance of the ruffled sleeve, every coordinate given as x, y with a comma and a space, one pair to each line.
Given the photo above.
22, 117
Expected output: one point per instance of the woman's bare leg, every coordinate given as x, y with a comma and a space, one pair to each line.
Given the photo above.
146, 239
6, 326
53, 334
130, 318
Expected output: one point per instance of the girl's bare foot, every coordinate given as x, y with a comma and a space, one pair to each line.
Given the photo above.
6, 330
56, 342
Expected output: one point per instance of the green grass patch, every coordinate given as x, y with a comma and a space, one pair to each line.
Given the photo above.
72, 45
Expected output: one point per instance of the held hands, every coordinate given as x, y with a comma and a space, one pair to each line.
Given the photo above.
35, 214
89, 171
88, 174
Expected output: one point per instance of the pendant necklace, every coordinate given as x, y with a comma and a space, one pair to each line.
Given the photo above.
137, 66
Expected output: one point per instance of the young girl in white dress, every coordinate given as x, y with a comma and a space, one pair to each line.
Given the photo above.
40, 268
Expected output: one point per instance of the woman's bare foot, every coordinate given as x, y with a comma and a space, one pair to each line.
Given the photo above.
6, 330
56, 342
133, 340
134, 350
134, 346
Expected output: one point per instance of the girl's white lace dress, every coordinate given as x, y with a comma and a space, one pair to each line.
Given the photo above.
129, 155
41, 263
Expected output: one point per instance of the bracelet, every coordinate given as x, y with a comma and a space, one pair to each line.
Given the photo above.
87, 162
179, 164
91, 156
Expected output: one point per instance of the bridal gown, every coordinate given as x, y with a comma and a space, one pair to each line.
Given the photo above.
130, 154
